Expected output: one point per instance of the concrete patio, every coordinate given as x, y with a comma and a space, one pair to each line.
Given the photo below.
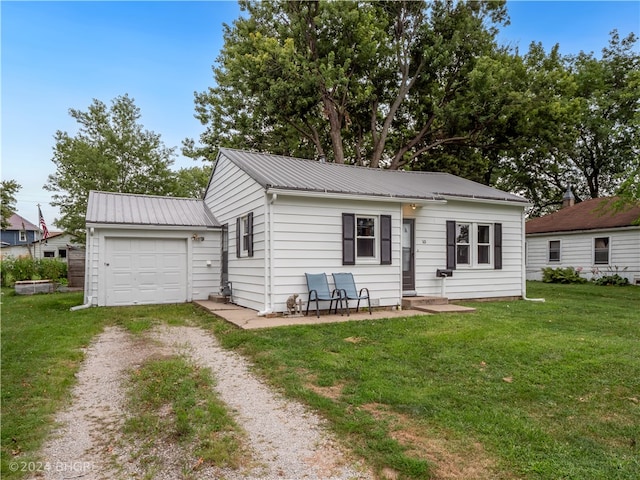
248, 319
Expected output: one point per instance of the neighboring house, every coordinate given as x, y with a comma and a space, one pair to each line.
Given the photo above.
588, 236
56, 245
20, 233
265, 220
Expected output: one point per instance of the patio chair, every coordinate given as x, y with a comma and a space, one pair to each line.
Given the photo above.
347, 286
319, 291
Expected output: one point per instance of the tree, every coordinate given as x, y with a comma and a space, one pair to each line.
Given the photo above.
111, 152
578, 126
607, 146
8, 191
191, 182
370, 83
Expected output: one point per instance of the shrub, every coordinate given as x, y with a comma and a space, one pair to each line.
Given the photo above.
613, 280
562, 275
610, 278
25, 268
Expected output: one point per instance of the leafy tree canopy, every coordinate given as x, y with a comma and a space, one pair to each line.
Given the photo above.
111, 152
8, 191
371, 83
424, 86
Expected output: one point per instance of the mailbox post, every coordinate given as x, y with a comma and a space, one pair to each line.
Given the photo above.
443, 273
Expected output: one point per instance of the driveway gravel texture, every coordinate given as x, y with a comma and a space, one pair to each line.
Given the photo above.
286, 440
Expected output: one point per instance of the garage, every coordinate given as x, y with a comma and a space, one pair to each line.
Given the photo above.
145, 271
144, 250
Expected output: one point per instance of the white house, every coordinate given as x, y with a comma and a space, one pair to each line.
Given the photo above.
588, 236
56, 245
266, 220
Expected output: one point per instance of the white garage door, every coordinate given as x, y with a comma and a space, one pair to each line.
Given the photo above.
145, 271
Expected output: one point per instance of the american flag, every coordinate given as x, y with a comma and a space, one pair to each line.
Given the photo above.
43, 225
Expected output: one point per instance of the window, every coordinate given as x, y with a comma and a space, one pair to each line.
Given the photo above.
463, 244
244, 236
484, 244
23, 236
62, 252
365, 237
474, 244
554, 251
49, 254
601, 250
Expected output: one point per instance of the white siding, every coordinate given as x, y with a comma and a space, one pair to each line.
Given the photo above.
233, 194
577, 251
202, 279
307, 238
430, 242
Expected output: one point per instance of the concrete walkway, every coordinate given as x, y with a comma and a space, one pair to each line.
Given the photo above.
248, 319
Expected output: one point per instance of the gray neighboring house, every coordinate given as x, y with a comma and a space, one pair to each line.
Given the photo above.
265, 220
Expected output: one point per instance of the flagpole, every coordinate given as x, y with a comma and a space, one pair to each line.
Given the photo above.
39, 231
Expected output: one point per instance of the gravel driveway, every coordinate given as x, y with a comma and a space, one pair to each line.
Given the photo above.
287, 440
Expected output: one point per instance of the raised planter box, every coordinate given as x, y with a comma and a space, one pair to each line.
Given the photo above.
30, 287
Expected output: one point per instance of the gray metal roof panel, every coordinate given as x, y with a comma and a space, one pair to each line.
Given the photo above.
276, 171
132, 209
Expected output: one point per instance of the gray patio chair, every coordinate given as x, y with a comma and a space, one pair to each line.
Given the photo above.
347, 286
319, 291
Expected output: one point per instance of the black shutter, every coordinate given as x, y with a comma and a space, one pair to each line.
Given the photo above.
250, 234
385, 239
497, 246
238, 237
348, 239
451, 244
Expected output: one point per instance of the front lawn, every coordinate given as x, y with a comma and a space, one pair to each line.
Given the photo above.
516, 390
529, 390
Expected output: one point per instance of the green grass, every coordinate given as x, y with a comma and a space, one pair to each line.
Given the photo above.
543, 391
549, 390
42, 344
171, 401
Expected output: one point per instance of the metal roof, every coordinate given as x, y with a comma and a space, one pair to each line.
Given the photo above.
130, 209
280, 172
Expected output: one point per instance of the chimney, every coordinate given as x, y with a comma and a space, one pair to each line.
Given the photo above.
568, 200
322, 159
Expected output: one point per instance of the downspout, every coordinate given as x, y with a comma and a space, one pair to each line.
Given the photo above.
87, 272
268, 255
524, 263
81, 307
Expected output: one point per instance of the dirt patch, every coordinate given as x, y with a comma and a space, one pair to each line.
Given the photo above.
448, 458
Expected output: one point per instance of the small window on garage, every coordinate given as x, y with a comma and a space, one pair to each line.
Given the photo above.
23, 236
601, 250
554, 251
62, 252
49, 254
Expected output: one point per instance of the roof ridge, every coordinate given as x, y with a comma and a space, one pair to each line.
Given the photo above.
343, 165
145, 195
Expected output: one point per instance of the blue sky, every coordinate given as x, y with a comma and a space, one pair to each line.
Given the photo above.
61, 55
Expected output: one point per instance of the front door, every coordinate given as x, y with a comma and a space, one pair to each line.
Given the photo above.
408, 256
